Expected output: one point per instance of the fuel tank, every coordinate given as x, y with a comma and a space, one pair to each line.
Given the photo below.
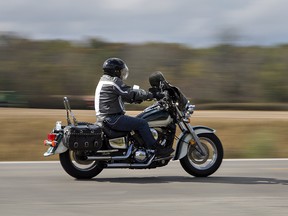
156, 117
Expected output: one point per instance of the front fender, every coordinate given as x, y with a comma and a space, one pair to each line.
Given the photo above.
185, 137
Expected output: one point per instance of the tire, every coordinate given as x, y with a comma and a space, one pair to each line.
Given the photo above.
77, 168
203, 166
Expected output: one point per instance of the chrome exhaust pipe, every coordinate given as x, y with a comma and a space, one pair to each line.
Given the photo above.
124, 157
131, 166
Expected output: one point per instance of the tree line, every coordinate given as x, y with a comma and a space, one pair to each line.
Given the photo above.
39, 72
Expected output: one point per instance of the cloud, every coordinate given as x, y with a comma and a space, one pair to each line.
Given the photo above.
183, 21
264, 20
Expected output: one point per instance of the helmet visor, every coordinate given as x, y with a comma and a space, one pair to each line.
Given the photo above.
124, 73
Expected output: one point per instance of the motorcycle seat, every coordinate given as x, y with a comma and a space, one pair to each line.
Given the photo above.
111, 134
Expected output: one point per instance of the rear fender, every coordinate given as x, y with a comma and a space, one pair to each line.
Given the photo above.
185, 137
56, 150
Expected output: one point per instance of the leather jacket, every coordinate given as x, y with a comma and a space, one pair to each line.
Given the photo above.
111, 93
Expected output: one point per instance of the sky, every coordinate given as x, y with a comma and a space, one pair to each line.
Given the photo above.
197, 23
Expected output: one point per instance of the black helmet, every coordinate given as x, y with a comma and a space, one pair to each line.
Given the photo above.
116, 67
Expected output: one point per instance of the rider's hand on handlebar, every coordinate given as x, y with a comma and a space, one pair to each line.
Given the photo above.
156, 93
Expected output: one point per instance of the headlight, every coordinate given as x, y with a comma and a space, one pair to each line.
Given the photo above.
190, 108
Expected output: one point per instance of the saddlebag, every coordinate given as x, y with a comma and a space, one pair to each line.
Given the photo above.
83, 137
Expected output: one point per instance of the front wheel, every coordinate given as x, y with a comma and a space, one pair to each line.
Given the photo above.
78, 168
202, 166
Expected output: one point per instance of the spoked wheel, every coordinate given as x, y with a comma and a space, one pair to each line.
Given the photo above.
78, 168
198, 165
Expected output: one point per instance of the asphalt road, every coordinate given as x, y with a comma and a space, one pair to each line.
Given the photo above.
239, 187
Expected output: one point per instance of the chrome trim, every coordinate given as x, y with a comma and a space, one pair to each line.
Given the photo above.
118, 143
49, 152
127, 155
107, 151
128, 165
196, 139
55, 150
154, 133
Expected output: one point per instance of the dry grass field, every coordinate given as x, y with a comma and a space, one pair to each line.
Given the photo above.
244, 134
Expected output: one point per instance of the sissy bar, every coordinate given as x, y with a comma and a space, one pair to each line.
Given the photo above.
69, 112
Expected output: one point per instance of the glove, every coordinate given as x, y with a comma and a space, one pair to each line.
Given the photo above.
156, 93
149, 96
141, 95
159, 96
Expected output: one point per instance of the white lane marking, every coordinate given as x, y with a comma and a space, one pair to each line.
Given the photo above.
257, 159
29, 162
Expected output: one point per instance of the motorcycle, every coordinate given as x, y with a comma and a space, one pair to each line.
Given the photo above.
85, 149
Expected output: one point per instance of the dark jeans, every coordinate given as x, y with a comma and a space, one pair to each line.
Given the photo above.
128, 123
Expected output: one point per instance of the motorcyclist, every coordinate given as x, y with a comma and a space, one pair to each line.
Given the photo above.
110, 94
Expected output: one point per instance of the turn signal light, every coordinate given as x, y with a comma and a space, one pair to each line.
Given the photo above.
50, 143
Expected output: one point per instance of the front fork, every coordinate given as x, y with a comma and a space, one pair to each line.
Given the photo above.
185, 126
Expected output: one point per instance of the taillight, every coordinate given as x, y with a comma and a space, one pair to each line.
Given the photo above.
51, 136
51, 140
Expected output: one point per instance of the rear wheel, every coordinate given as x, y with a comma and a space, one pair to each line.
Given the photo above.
202, 166
77, 167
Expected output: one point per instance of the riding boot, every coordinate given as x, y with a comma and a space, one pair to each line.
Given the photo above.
163, 152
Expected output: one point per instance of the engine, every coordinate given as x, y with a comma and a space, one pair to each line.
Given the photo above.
140, 156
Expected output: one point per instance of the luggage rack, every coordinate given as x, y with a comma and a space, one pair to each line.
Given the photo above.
69, 112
